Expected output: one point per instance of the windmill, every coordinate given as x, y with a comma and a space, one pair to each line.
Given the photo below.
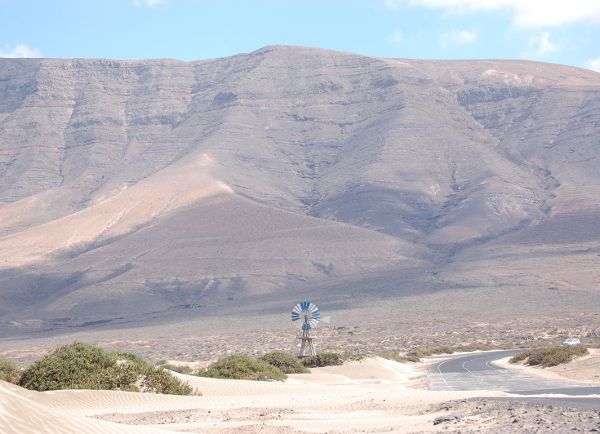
306, 315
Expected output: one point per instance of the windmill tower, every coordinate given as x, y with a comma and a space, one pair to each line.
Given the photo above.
306, 315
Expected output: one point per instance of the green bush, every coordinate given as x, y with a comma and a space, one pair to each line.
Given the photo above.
551, 356
415, 355
158, 380
323, 359
287, 363
84, 366
427, 352
10, 371
352, 357
241, 367
397, 356
182, 369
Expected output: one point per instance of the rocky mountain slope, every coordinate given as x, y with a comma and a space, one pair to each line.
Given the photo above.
131, 189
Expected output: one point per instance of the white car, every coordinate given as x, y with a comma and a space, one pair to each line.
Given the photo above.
572, 341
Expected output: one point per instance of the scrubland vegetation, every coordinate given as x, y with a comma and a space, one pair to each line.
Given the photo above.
85, 366
240, 367
415, 355
10, 371
551, 356
287, 363
323, 359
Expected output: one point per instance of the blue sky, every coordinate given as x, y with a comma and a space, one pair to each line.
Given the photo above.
558, 31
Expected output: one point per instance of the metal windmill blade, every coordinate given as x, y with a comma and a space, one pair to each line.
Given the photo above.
306, 315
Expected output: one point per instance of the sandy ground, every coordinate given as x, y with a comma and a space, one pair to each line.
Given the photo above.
23, 411
373, 395
583, 370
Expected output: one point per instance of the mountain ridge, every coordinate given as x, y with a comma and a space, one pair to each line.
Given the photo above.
443, 168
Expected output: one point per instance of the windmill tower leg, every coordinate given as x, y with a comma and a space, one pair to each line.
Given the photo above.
311, 347
307, 345
303, 343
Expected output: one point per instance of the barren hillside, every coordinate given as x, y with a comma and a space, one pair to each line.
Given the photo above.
138, 189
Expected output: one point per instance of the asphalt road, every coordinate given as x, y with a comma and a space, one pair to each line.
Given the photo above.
474, 371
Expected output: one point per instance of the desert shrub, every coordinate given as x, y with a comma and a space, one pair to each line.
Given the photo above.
397, 356
427, 352
287, 363
154, 379
182, 369
240, 367
157, 380
84, 366
469, 348
551, 356
75, 366
323, 359
352, 357
519, 357
411, 356
415, 356
10, 371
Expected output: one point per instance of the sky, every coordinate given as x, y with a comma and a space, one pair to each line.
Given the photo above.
556, 31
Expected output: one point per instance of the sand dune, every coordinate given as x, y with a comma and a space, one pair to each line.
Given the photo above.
368, 394
21, 412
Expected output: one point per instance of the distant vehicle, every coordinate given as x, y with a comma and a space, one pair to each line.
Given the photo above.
572, 341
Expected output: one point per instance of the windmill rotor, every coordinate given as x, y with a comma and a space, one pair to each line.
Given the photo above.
306, 315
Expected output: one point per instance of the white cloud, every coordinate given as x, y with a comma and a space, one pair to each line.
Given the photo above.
148, 3
542, 45
525, 13
593, 64
21, 50
396, 36
458, 37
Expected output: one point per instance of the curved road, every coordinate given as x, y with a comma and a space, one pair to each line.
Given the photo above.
475, 371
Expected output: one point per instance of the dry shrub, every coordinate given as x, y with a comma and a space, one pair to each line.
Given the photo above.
240, 367
10, 371
84, 366
551, 356
287, 363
